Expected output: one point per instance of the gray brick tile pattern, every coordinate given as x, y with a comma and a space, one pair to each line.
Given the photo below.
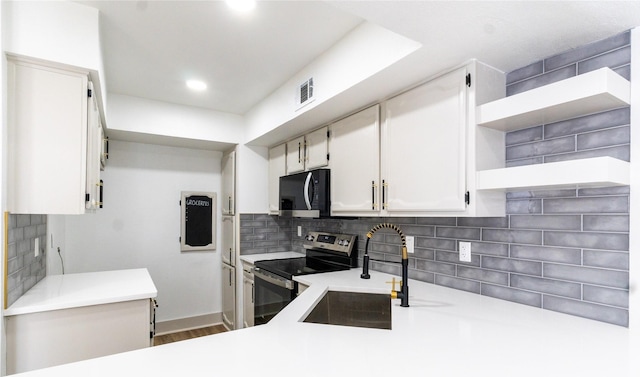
24, 268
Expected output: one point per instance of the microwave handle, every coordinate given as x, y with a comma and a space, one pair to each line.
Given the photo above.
307, 200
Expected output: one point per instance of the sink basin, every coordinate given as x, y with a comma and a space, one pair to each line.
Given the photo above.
370, 310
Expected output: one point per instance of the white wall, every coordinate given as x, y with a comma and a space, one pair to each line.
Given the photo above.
252, 190
139, 226
58, 31
365, 51
145, 116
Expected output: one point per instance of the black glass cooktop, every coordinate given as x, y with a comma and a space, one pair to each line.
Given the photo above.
290, 267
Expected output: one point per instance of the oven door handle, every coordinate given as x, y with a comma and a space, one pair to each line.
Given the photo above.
283, 283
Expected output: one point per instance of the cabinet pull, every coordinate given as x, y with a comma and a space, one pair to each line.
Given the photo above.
101, 193
384, 192
229, 277
253, 293
373, 195
299, 153
306, 155
230, 204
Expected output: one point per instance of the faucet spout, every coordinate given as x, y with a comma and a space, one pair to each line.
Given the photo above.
403, 294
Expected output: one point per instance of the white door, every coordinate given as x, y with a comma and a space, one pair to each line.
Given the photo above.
423, 147
354, 148
295, 155
228, 296
277, 168
316, 149
228, 183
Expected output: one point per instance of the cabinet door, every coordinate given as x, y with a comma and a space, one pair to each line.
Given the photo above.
228, 183
423, 147
248, 296
317, 149
46, 139
228, 240
354, 147
228, 296
295, 155
277, 168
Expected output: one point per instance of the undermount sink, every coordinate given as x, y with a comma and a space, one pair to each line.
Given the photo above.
372, 310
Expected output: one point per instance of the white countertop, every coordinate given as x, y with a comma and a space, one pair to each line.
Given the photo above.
445, 332
56, 292
253, 258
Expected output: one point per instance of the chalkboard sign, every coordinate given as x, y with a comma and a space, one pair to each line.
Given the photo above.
197, 222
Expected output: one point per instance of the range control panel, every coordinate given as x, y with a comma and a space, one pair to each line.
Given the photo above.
343, 243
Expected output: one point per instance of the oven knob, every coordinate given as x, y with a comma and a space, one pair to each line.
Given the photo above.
343, 243
309, 237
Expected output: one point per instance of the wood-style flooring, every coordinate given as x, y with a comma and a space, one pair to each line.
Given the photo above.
189, 334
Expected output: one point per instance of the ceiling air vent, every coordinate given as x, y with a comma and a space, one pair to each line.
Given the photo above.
304, 93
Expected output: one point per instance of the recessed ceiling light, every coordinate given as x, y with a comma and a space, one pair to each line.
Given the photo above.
241, 5
196, 85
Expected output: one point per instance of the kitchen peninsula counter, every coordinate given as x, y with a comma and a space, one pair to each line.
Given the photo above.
74, 317
445, 332
56, 292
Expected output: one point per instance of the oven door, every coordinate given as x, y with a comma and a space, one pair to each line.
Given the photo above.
272, 294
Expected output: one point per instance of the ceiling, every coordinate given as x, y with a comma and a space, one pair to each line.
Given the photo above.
151, 47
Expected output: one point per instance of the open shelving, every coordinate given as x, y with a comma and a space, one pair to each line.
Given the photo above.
585, 94
589, 93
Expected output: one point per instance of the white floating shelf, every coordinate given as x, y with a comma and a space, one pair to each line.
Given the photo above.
591, 92
588, 172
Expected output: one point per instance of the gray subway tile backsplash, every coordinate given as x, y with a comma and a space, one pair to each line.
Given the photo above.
564, 250
24, 268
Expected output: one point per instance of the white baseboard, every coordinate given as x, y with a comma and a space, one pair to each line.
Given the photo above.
189, 323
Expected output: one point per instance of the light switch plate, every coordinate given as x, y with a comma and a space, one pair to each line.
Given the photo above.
36, 251
299, 231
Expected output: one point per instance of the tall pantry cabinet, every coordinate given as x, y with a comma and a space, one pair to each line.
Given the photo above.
54, 139
228, 240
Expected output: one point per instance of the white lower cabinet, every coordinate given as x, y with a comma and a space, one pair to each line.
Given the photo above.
49, 338
228, 296
248, 291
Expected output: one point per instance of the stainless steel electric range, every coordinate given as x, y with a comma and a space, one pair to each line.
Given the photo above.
274, 284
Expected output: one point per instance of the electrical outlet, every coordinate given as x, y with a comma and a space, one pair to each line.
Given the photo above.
465, 251
299, 231
410, 243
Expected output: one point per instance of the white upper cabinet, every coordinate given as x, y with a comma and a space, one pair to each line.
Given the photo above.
355, 164
424, 147
277, 168
417, 153
228, 183
48, 117
307, 152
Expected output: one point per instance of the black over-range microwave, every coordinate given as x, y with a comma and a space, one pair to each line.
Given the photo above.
306, 194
